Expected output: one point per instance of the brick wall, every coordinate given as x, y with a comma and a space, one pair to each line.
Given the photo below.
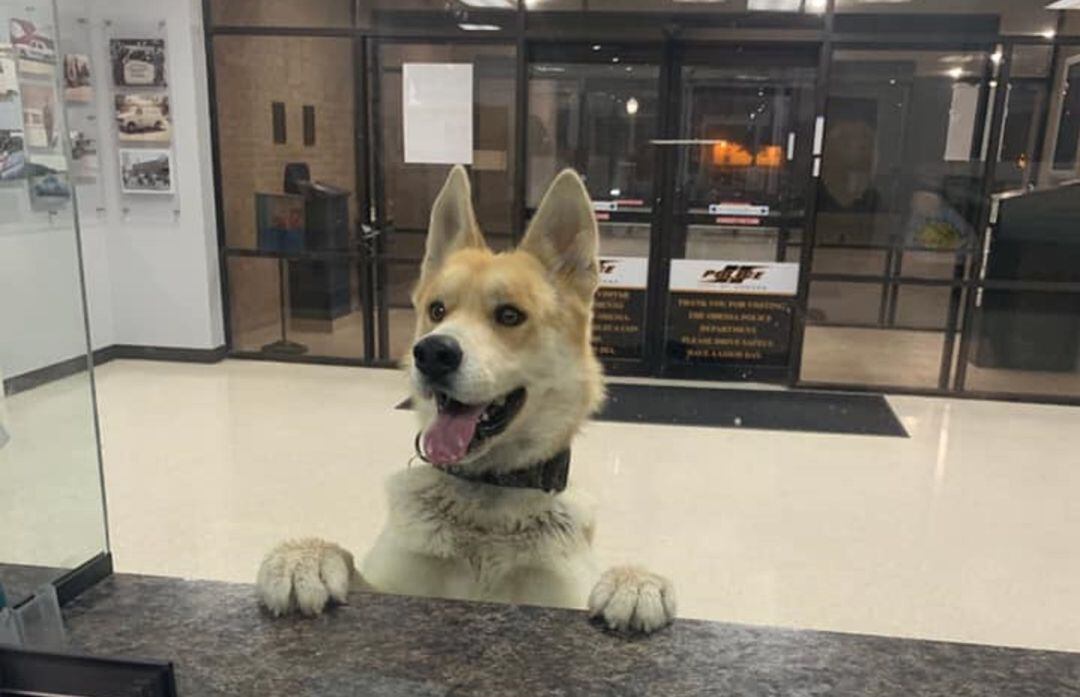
251, 73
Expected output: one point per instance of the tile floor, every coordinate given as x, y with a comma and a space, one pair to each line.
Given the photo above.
965, 531
50, 484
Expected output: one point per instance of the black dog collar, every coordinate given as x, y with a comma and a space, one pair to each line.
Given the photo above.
550, 475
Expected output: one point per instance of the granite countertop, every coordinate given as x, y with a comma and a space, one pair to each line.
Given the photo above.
222, 644
20, 581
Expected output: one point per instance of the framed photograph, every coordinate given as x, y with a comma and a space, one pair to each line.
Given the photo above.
9, 79
34, 48
49, 191
146, 171
138, 62
77, 78
143, 118
12, 155
40, 120
84, 156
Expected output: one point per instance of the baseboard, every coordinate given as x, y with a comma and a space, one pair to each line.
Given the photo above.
72, 366
74, 582
71, 584
41, 376
167, 353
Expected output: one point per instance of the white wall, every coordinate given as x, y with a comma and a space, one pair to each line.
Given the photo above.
152, 276
41, 318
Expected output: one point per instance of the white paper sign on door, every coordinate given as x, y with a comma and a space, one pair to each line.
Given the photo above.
736, 277
437, 113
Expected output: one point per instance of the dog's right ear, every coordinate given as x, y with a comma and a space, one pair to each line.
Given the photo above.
453, 223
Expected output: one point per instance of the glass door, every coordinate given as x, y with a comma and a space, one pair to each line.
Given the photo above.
596, 108
897, 228
428, 85
742, 162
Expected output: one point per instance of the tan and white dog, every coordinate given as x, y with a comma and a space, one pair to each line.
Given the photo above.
503, 377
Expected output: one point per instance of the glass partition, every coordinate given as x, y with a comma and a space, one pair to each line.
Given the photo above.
285, 108
1025, 323
51, 505
898, 208
410, 184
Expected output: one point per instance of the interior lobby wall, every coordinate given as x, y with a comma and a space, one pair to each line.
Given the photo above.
149, 282
251, 74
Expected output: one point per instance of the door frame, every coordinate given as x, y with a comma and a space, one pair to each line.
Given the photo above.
673, 56
666, 226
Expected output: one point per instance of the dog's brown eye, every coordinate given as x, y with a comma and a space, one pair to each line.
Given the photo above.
509, 316
436, 311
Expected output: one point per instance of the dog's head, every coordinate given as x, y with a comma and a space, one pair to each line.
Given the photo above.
502, 370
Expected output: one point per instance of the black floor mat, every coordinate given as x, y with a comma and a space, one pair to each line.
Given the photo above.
781, 410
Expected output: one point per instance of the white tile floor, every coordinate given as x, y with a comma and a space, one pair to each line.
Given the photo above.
966, 531
50, 485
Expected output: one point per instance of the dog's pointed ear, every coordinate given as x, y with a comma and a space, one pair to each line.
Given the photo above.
453, 223
563, 234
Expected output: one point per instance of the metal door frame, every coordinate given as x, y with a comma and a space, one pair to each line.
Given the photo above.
667, 226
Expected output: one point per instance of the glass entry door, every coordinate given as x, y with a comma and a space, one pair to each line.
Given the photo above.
742, 164
596, 108
408, 177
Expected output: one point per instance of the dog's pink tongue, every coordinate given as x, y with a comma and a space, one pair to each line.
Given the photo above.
447, 438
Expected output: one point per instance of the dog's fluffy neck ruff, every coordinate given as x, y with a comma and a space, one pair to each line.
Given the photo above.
492, 529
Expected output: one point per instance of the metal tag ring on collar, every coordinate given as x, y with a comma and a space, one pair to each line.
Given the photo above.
419, 449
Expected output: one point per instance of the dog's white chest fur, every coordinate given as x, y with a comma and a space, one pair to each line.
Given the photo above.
451, 538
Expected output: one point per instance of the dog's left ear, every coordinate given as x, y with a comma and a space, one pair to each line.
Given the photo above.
563, 234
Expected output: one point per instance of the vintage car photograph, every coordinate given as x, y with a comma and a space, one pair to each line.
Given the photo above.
143, 118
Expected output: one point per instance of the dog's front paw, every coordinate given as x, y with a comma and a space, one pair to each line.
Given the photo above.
630, 598
304, 575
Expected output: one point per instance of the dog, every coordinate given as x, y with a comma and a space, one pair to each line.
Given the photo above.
503, 376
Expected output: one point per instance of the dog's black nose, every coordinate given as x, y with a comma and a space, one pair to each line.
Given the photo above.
437, 356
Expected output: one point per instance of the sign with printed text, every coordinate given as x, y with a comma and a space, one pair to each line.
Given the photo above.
619, 308
738, 209
731, 312
739, 277
738, 222
624, 272
437, 113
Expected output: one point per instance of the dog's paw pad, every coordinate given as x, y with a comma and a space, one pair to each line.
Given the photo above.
632, 599
304, 575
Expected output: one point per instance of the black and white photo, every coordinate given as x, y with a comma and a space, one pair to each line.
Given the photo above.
138, 62
146, 171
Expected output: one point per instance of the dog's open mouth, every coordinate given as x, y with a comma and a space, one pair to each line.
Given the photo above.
461, 428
